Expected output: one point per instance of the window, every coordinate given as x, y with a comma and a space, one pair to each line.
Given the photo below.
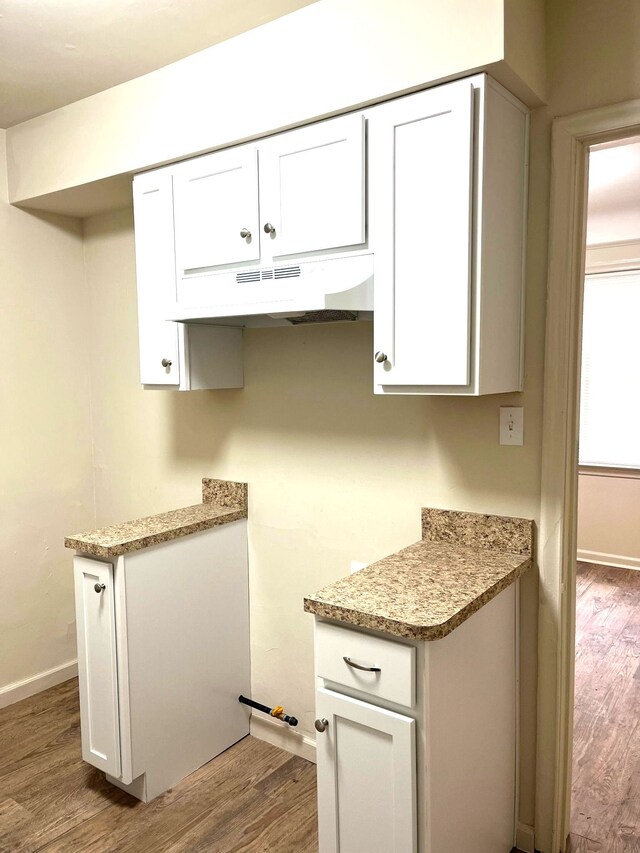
610, 396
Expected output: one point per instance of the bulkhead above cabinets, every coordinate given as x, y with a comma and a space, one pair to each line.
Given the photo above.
420, 200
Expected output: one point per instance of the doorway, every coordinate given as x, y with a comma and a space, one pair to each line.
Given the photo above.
605, 792
572, 138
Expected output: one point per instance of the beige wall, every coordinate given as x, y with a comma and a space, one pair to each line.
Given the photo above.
335, 472
593, 51
328, 57
609, 519
46, 484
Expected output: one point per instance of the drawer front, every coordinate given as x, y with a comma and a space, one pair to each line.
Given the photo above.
395, 677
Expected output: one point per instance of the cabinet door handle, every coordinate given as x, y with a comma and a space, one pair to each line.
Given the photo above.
349, 662
98, 587
245, 233
380, 357
166, 362
321, 725
269, 228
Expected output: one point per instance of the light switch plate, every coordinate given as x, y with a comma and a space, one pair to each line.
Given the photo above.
512, 425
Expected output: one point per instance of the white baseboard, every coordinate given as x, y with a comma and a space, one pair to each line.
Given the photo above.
615, 560
37, 683
525, 838
284, 736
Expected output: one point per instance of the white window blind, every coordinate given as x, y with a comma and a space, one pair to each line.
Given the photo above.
610, 395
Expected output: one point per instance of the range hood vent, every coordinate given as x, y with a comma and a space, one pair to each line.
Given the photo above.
324, 317
326, 290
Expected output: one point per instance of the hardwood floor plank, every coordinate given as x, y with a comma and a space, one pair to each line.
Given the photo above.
29, 727
606, 774
14, 820
278, 813
199, 809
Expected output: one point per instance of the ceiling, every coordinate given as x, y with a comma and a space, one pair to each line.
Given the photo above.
614, 193
54, 52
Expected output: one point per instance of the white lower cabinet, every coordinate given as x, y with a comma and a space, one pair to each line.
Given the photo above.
163, 654
366, 777
416, 742
97, 661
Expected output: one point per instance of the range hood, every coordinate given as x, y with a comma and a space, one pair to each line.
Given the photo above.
291, 293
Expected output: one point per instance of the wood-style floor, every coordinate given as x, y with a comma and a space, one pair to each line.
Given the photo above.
250, 799
605, 814
256, 798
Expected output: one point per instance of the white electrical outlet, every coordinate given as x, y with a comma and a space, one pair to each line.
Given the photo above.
356, 566
512, 425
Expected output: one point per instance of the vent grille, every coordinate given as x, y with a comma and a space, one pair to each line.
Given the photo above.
287, 272
268, 274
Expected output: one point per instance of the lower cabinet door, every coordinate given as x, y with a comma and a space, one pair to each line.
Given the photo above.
366, 777
97, 664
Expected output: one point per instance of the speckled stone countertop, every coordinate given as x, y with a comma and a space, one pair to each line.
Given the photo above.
222, 502
425, 591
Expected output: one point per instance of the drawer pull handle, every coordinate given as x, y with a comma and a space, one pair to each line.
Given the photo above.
349, 662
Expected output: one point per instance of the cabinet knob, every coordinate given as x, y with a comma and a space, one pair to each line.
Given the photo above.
245, 233
321, 725
380, 357
166, 362
98, 587
269, 228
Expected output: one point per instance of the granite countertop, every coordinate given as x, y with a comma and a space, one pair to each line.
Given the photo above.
222, 502
428, 589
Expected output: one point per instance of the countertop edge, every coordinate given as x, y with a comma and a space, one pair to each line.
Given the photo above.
407, 630
228, 514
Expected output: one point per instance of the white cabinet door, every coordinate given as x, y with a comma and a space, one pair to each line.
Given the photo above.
312, 188
156, 276
97, 664
216, 210
366, 778
420, 166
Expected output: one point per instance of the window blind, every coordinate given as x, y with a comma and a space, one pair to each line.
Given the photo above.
610, 393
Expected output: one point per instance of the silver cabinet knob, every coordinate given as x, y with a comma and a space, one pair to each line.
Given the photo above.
166, 362
269, 228
98, 587
380, 357
321, 725
245, 233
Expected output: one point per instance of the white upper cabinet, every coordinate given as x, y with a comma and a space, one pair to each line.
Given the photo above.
312, 188
432, 186
173, 356
447, 190
156, 277
216, 210
308, 199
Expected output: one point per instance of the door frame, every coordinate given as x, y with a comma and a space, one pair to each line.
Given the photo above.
571, 138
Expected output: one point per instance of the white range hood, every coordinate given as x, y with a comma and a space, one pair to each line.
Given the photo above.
290, 293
